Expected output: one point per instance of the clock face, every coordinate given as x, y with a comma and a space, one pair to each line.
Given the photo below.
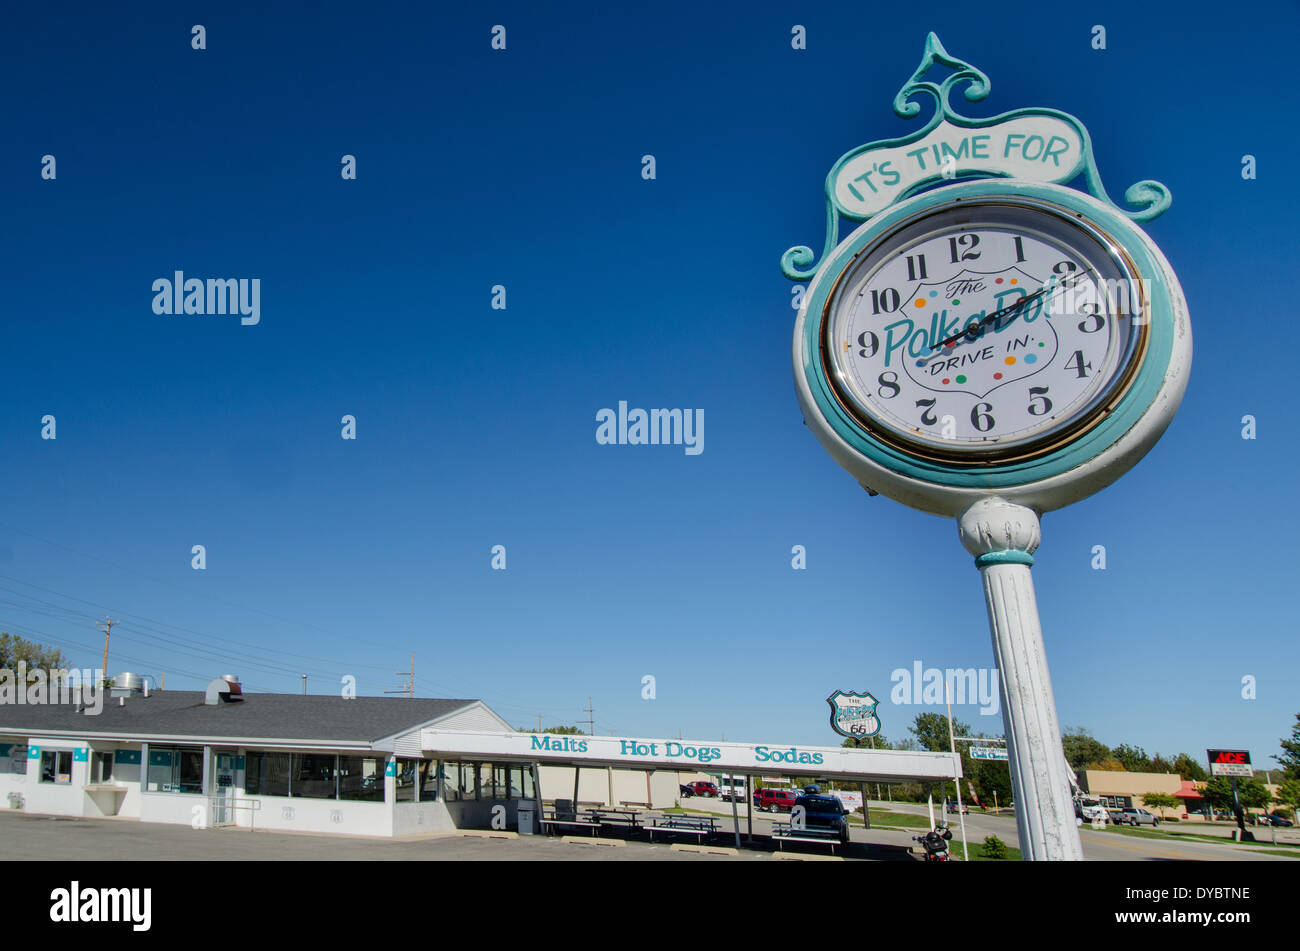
985, 331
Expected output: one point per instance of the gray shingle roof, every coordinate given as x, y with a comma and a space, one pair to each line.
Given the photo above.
280, 716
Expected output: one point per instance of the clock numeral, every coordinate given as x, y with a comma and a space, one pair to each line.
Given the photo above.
888, 381
889, 299
1039, 404
1076, 363
916, 267
1064, 267
1020, 249
982, 419
869, 344
968, 241
928, 418
1095, 315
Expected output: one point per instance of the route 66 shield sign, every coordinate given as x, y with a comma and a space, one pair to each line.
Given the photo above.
853, 714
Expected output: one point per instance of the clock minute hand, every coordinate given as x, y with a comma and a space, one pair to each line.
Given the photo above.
1012, 308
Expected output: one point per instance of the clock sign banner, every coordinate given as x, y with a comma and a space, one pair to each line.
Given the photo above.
1031, 148
1028, 145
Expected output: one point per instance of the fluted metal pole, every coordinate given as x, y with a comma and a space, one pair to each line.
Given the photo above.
1003, 536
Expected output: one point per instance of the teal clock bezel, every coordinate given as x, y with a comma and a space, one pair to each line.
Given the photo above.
1091, 443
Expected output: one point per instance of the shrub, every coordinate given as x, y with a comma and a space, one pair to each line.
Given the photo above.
994, 848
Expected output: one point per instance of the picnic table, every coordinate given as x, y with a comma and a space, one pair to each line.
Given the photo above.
783, 832
624, 818
565, 817
701, 826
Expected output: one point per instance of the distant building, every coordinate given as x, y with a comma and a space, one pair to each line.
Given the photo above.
1117, 789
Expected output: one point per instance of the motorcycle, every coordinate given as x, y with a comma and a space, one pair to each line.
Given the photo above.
936, 844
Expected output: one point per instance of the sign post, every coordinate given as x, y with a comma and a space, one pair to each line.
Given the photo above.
1233, 763
905, 375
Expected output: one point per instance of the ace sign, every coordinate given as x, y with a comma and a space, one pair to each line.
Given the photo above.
1230, 763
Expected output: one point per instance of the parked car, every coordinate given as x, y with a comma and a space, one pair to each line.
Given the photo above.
826, 814
1116, 816
1269, 819
775, 800
952, 807
684, 791
1139, 817
703, 788
1279, 819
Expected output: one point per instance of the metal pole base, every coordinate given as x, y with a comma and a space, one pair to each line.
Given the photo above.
1003, 536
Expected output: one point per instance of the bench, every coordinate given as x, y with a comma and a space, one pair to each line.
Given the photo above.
701, 826
783, 832
552, 819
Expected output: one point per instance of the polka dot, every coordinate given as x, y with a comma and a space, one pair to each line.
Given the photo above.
997, 376
1041, 344
950, 344
920, 363
956, 302
998, 281
920, 302
946, 381
1014, 281
1009, 361
934, 293
961, 379
1031, 358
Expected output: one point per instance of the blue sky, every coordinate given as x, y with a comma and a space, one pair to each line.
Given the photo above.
476, 426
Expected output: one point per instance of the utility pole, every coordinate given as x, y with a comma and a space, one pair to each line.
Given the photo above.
108, 626
409, 689
591, 718
539, 723
304, 685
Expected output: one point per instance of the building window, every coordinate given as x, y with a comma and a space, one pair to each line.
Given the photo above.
56, 767
266, 774
406, 776
428, 791
18, 760
361, 778
313, 776
176, 769
101, 770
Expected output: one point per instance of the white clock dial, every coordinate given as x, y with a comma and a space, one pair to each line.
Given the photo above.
985, 331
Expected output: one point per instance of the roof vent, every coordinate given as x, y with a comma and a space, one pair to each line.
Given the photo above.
127, 684
223, 690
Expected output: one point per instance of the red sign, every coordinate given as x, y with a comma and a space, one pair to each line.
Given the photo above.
1229, 763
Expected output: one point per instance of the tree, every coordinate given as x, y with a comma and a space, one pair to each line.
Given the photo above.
1081, 749
1109, 765
565, 730
1288, 794
1251, 792
1159, 764
1133, 758
1254, 794
877, 742
1290, 758
1189, 768
1159, 800
15, 650
931, 730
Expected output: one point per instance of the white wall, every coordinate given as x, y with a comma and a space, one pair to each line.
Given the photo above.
55, 799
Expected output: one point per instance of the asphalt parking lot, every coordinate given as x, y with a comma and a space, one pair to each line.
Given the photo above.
61, 838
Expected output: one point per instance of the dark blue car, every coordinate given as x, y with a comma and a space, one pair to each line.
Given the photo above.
825, 814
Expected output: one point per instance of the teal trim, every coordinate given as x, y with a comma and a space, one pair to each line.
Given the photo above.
5, 748
1010, 557
1151, 198
33, 752
127, 757
81, 754
1136, 401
